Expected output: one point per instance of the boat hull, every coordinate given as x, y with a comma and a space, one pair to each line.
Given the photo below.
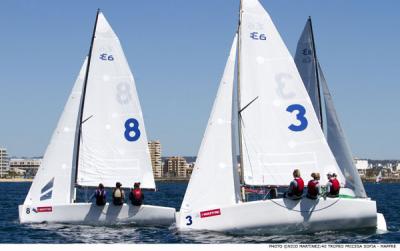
89, 213
283, 216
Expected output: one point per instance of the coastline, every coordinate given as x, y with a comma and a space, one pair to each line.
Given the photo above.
15, 180
176, 179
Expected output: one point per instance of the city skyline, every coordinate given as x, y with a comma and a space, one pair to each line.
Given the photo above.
177, 56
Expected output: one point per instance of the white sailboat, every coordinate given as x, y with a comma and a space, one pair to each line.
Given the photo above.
278, 132
100, 138
379, 177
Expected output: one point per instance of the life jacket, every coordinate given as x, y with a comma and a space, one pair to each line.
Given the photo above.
300, 186
312, 188
334, 189
117, 197
136, 196
100, 197
117, 193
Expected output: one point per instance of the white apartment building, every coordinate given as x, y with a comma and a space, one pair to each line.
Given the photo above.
177, 166
27, 166
362, 165
155, 154
4, 162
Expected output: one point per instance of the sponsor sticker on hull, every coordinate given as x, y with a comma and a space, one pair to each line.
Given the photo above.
43, 209
210, 213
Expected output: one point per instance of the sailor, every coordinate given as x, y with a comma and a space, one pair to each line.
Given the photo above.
100, 195
136, 195
333, 186
296, 187
314, 188
273, 192
118, 195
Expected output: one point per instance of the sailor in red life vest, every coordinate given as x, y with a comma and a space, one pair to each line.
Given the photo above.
333, 186
313, 187
296, 187
136, 195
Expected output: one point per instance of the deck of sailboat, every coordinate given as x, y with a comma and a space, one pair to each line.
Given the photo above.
90, 213
287, 216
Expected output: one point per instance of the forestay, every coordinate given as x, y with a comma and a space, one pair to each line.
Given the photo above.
312, 75
52, 183
113, 142
214, 181
280, 131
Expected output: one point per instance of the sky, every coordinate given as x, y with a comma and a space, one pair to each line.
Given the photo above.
177, 51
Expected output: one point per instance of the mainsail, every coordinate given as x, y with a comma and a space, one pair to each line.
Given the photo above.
113, 142
214, 181
279, 129
52, 182
314, 80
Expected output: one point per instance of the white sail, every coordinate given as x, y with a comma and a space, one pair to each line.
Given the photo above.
113, 142
52, 183
314, 80
214, 181
280, 131
338, 143
379, 177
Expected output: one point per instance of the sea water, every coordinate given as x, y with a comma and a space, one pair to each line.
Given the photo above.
171, 194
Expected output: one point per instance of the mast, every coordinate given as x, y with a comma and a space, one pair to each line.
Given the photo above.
316, 72
239, 103
82, 104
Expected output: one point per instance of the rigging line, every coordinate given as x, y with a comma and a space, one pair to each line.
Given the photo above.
316, 73
87, 119
248, 105
300, 211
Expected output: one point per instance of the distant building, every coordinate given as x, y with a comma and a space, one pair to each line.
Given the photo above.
362, 166
4, 162
177, 167
155, 154
189, 169
25, 166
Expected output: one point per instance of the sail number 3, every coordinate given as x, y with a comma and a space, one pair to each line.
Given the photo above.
132, 132
301, 111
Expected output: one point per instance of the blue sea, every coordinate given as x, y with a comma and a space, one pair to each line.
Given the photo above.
171, 194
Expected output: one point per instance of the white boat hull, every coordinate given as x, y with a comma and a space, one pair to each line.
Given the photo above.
88, 213
283, 216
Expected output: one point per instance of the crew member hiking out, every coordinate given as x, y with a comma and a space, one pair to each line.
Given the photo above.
333, 186
100, 195
313, 187
118, 195
296, 187
136, 195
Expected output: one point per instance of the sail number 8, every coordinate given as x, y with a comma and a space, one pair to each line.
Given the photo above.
301, 111
132, 132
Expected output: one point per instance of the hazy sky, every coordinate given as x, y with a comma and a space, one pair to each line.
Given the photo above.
177, 51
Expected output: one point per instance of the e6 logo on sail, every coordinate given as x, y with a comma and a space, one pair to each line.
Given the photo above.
106, 57
258, 36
